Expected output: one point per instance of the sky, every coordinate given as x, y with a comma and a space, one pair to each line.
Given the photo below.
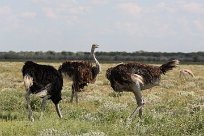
115, 25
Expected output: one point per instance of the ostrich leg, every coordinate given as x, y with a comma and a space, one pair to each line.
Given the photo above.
76, 96
72, 95
44, 100
27, 97
74, 92
139, 100
58, 110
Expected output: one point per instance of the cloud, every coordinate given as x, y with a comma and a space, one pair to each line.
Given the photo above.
141, 29
49, 12
164, 6
199, 25
9, 20
99, 2
67, 11
193, 7
5, 11
29, 14
77, 9
130, 8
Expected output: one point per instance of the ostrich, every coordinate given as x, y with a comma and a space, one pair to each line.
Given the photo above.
44, 81
134, 77
81, 73
185, 73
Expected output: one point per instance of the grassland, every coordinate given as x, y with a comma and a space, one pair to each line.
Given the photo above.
176, 107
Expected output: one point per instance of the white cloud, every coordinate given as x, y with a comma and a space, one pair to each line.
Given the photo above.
9, 19
130, 8
199, 25
5, 11
193, 7
49, 12
99, 2
29, 14
164, 6
68, 11
77, 9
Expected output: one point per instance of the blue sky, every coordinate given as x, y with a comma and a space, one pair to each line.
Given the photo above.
116, 25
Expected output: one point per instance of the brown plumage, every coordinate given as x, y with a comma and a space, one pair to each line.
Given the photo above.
134, 77
81, 73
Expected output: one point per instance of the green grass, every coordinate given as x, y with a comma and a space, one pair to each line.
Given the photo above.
176, 107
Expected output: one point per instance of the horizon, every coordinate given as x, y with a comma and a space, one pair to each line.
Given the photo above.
117, 26
141, 51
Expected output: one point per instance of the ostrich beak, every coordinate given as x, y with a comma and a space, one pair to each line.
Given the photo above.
97, 46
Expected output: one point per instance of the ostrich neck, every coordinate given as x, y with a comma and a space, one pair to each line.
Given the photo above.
96, 61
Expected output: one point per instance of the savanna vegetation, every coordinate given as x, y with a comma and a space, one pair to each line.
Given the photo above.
195, 57
176, 107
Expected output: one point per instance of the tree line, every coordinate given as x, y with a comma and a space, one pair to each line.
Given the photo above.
102, 56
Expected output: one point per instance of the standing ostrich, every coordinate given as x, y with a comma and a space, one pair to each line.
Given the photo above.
44, 81
134, 77
81, 73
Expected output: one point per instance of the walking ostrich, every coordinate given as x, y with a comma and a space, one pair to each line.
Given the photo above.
134, 77
44, 81
81, 73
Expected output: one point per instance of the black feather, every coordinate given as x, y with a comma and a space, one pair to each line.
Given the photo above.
43, 75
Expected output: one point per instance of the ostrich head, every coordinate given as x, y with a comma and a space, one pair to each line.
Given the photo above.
94, 46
